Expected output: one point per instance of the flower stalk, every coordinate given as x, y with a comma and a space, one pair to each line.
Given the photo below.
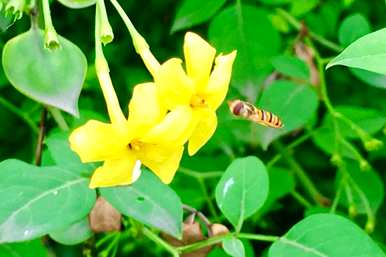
51, 40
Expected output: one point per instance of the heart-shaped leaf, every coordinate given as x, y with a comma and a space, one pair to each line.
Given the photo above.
294, 104
76, 4
367, 53
149, 201
325, 235
38, 200
242, 190
52, 77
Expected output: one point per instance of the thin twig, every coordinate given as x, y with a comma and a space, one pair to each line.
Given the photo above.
42, 131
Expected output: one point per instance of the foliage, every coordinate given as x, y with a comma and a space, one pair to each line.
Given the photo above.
312, 188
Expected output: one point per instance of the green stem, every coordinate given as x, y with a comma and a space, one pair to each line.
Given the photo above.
292, 145
202, 244
209, 201
12, 108
337, 195
301, 199
200, 175
257, 237
298, 26
152, 236
51, 38
105, 31
302, 175
58, 117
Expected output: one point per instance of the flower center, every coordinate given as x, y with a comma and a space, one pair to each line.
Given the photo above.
135, 145
198, 101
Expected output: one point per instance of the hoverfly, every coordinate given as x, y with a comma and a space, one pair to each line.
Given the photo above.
248, 111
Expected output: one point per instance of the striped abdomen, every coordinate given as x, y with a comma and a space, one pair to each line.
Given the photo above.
250, 112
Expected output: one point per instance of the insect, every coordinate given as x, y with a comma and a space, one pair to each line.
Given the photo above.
250, 112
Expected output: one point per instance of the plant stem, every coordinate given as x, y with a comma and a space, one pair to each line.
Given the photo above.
58, 117
337, 195
202, 244
302, 175
200, 175
155, 238
12, 108
298, 26
42, 131
292, 145
140, 44
51, 38
265, 238
208, 198
301, 199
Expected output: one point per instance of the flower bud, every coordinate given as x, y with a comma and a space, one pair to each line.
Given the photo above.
336, 160
373, 144
352, 211
15, 8
364, 165
370, 225
217, 229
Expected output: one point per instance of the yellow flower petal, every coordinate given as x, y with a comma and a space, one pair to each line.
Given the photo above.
162, 161
199, 56
174, 86
98, 141
144, 108
206, 126
174, 129
219, 80
123, 171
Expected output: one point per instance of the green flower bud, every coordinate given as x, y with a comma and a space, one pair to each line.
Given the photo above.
336, 159
15, 8
364, 165
373, 144
352, 211
370, 225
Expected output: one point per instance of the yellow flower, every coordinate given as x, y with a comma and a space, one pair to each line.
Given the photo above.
200, 88
124, 144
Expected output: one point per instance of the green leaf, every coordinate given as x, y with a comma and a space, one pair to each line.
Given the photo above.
52, 77
194, 12
293, 104
300, 7
347, 34
291, 66
76, 4
242, 190
38, 200
281, 183
24, 249
371, 78
370, 188
6, 21
235, 28
76, 233
325, 235
61, 153
149, 201
275, 2
369, 120
233, 247
367, 53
